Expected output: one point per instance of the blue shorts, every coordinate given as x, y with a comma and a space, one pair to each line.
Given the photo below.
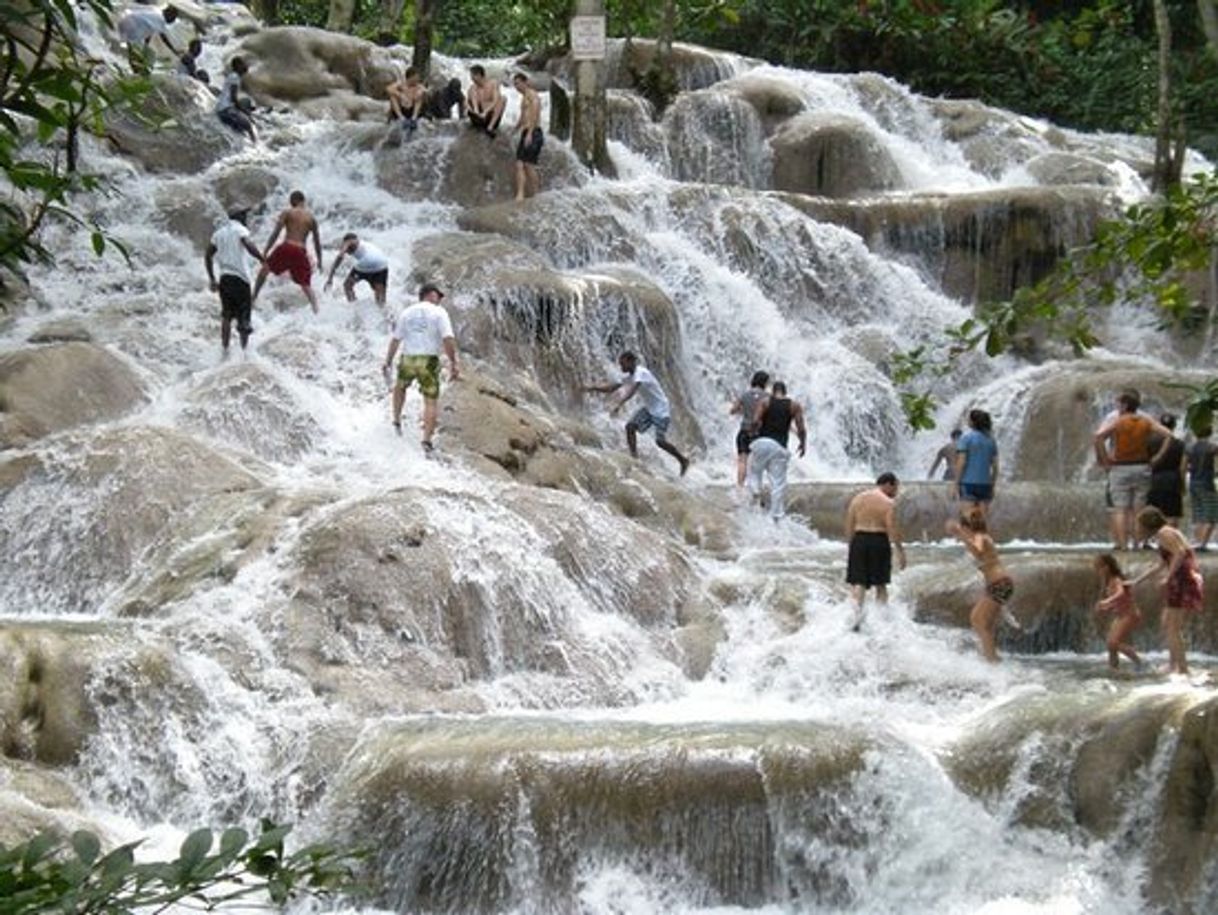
642, 421
976, 492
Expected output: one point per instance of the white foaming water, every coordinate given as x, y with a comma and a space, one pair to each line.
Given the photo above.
203, 720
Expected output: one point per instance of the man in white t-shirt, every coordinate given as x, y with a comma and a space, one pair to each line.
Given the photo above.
139, 27
231, 108
229, 246
371, 267
655, 412
422, 332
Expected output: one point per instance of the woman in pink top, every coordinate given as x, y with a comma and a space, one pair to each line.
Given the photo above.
1117, 598
1182, 584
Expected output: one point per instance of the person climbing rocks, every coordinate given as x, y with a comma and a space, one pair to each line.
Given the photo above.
1122, 448
439, 102
972, 531
1202, 495
1183, 588
231, 108
406, 97
422, 332
484, 103
188, 63
745, 405
528, 148
1116, 598
655, 412
138, 27
228, 249
773, 417
947, 456
371, 266
291, 256
872, 535
976, 469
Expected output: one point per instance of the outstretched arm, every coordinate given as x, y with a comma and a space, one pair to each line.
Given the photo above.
208, 259
338, 259
607, 388
801, 428
629, 391
253, 250
316, 241
274, 235
894, 534
450, 350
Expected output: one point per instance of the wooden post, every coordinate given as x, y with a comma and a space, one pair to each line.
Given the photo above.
590, 109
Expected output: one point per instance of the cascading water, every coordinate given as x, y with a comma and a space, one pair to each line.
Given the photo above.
242, 595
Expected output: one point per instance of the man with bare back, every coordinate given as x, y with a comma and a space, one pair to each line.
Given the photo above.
291, 256
871, 529
528, 150
484, 102
406, 97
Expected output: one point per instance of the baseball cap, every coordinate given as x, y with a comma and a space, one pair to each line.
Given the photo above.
430, 287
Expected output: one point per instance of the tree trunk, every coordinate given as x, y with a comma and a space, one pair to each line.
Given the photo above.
590, 109
387, 30
266, 10
342, 15
424, 16
1209, 23
1162, 178
668, 27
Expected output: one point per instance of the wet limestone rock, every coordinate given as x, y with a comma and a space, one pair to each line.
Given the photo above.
194, 141
630, 120
188, 209
247, 407
428, 592
141, 516
717, 137
1079, 757
62, 330
452, 164
246, 186
293, 64
695, 67
35, 798
831, 156
1185, 845
47, 389
775, 100
1066, 168
570, 229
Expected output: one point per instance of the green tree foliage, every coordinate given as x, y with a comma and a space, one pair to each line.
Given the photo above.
73, 877
1144, 256
49, 92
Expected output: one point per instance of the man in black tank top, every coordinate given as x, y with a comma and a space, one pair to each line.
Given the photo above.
768, 452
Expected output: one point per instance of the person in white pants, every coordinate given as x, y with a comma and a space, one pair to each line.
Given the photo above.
768, 452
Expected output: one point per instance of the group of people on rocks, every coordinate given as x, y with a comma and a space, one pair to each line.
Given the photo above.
409, 98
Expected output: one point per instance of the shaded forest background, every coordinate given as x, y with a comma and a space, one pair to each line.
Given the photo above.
1090, 64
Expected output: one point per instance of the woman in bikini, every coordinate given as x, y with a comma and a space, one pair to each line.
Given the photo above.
1117, 599
1182, 583
971, 530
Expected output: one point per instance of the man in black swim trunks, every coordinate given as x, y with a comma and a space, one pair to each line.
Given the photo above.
528, 149
871, 529
229, 245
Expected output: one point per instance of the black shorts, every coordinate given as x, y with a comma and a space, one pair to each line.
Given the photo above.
528, 150
1170, 501
380, 278
743, 439
236, 119
235, 301
870, 560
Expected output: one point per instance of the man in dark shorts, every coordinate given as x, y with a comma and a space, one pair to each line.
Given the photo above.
371, 267
528, 149
871, 530
745, 404
229, 246
484, 102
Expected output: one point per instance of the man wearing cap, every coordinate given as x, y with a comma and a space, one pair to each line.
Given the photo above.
422, 331
371, 267
229, 245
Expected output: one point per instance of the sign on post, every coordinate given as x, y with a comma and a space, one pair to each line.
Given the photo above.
587, 37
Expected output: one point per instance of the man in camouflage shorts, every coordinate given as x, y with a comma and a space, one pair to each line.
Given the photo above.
422, 331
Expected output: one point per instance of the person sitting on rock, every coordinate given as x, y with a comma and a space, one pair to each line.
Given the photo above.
297, 224
484, 102
231, 109
440, 101
139, 27
371, 267
188, 63
406, 97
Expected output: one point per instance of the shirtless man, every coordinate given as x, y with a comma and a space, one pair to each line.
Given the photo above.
484, 102
406, 97
371, 267
871, 529
296, 223
528, 149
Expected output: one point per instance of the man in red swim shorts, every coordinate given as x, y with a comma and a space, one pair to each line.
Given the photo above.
291, 257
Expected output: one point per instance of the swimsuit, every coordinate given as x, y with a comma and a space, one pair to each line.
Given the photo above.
528, 150
1000, 590
423, 369
1184, 589
869, 562
1124, 606
292, 258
